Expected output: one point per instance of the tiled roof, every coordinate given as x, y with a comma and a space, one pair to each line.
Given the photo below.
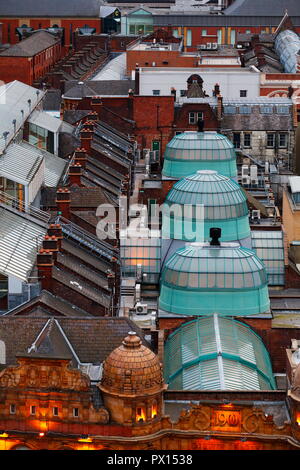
91, 339
265, 8
31, 46
42, 8
97, 87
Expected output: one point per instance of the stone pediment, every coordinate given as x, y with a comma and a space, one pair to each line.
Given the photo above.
44, 373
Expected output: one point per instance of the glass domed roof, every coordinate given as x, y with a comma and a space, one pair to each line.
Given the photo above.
216, 353
287, 46
191, 151
234, 273
224, 205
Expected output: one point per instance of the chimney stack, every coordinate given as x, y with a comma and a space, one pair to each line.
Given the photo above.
50, 243
86, 136
96, 105
56, 231
75, 172
63, 202
45, 264
80, 156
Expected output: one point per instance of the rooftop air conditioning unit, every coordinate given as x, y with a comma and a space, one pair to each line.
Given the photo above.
214, 46
245, 170
202, 47
141, 309
209, 45
255, 214
246, 180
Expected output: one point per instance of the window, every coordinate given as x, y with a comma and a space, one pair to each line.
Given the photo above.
194, 116
243, 93
237, 140
76, 412
55, 411
270, 140
175, 33
245, 110
156, 92
189, 37
32, 409
266, 109
247, 139
282, 109
204, 32
182, 92
219, 34
12, 409
282, 140
229, 109
248, 31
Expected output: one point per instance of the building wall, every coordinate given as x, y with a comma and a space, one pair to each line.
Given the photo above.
291, 219
69, 24
230, 82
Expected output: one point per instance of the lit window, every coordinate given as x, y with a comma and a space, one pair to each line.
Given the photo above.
140, 414
12, 409
243, 93
32, 409
156, 92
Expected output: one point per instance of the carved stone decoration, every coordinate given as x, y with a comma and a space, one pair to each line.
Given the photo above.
32, 377
8, 378
251, 422
103, 416
295, 388
202, 421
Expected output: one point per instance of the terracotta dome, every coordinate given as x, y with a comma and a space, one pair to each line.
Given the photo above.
132, 369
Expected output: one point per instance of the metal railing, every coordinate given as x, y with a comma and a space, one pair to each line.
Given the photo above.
24, 209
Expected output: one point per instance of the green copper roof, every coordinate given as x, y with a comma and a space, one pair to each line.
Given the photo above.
216, 353
200, 271
224, 205
191, 151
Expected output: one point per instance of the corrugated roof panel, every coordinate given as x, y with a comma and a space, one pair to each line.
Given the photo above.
20, 163
20, 240
45, 120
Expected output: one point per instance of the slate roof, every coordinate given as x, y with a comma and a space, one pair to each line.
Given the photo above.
221, 20
44, 8
92, 339
265, 8
31, 46
75, 89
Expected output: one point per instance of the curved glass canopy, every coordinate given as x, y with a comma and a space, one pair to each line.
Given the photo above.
191, 151
227, 279
216, 353
223, 204
287, 46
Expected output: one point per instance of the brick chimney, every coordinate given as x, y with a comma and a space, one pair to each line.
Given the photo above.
45, 264
56, 231
75, 172
96, 105
63, 201
219, 107
137, 80
86, 137
80, 156
50, 243
92, 116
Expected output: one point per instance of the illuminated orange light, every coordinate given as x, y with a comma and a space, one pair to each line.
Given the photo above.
140, 415
41, 434
4, 434
154, 411
86, 439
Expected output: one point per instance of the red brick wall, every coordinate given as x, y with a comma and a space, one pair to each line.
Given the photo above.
16, 68
147, 58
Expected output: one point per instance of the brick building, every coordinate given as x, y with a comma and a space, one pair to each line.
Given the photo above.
30, 59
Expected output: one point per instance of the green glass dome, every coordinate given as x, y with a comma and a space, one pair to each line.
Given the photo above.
200, 279
191, 151
223, 204
216, 353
